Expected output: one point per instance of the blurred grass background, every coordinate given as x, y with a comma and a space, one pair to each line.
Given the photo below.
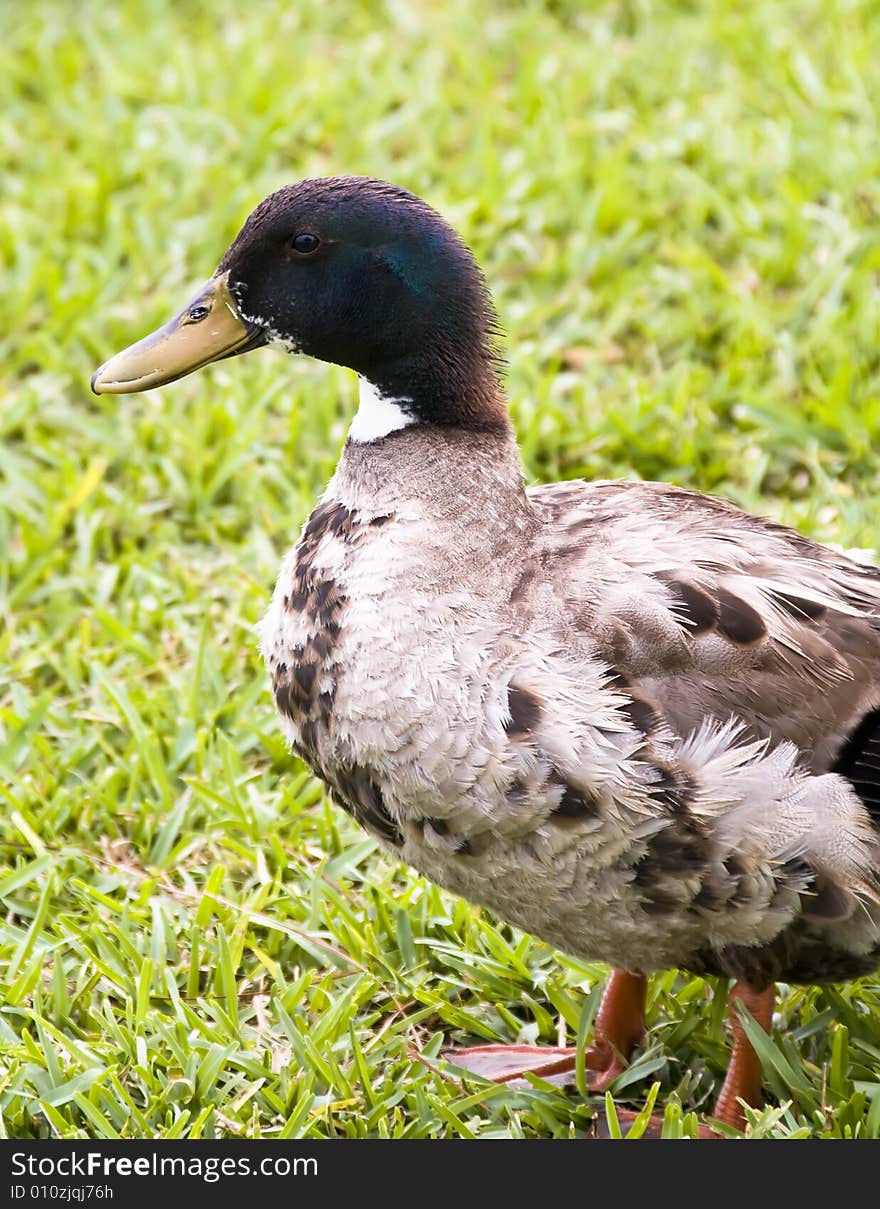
678, 208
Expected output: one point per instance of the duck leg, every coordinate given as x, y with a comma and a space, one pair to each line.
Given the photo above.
620, 1024
744, 1075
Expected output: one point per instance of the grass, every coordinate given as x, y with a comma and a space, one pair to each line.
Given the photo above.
678, 207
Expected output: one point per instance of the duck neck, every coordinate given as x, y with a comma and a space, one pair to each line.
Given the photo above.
464, 480
443, 386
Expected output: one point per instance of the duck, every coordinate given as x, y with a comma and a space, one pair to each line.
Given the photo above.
630, 719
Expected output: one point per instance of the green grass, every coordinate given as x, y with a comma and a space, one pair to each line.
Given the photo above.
678, 208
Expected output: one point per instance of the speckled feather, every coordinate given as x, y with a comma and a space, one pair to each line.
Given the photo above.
606, 711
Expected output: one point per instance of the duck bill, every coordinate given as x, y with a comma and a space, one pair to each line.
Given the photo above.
208, 328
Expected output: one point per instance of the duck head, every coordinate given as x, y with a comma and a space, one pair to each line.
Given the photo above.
353, 271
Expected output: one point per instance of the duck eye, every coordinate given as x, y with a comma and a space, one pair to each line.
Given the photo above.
305, 243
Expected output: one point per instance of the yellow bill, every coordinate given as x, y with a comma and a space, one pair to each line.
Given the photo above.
207, 329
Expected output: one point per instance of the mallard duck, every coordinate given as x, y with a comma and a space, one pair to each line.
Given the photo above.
628, 718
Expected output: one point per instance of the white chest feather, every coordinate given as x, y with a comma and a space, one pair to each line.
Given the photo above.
376, 415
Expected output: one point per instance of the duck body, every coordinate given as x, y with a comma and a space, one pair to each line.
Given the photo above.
633, 720
505, 689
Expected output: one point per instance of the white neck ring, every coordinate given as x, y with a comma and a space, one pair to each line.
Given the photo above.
377, 415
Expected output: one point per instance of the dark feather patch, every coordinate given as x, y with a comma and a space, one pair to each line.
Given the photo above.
574, 804
305, 675
526, 578
320, 645
297, 599
616, 679
518, 789
828, 901
799, 608
643, 714
794, 955
737, 871
674, 788
713, 894
461, 845
358, 793
679, 851
859, 762
525, 712
738, 621
473, 845
692, 605
304, 690
282, 697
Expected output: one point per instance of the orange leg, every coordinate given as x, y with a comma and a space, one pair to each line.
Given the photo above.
619, 1028
744, 1075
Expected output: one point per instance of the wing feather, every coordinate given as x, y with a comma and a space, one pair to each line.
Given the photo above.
715, 613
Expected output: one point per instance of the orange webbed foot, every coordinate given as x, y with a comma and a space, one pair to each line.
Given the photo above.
554, 1064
